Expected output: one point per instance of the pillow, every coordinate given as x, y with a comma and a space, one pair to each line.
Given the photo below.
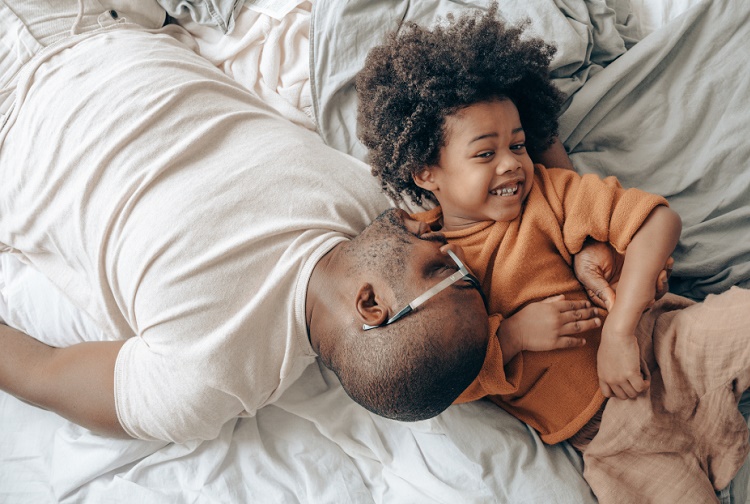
588, 36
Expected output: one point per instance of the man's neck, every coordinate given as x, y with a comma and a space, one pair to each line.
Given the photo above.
324, 282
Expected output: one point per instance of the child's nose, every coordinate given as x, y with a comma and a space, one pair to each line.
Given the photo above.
508, 163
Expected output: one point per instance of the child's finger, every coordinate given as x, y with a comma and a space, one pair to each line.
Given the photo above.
569, 342
584, 313
553, 299
617, 391
567, 306
629, 390
579, 326
639, 384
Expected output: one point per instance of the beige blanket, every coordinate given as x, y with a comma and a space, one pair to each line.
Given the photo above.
684, 437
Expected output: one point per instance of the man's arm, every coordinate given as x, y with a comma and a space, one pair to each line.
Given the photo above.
76, 382
598, 265
555, 156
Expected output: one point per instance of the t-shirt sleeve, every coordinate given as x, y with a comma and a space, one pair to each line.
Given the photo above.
156, 399
494, 378
601, 209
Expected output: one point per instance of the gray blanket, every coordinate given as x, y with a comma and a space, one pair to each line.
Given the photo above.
666, 114
671, 116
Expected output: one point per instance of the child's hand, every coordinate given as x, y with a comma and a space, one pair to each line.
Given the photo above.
550, 324
619, 366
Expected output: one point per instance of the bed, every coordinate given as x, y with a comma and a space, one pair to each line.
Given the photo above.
630, 70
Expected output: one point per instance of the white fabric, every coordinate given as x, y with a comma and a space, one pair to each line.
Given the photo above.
268, 56
29, 26
17, 47
277, 9
653, 14
588, 35
179, 229
313, 445
51, 20
30, 303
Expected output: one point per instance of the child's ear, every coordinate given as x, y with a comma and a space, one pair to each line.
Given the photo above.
425, 178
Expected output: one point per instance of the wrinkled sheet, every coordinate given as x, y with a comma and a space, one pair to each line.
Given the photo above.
472, 453
670, 117
666, 114
314, 446
588, 35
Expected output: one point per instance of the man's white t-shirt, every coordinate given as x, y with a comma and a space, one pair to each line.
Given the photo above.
179, 212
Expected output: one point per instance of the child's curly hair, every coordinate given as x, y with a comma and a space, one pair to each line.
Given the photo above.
410, 84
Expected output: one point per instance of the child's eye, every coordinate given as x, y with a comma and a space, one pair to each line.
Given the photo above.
519, 147
485, 154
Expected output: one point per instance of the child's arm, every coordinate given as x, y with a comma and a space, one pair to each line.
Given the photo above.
618, 359
552, 324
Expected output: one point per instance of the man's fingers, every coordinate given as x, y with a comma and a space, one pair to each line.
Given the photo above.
669, 265
603, 297
594, 296
606, 390
662, 284
607, 296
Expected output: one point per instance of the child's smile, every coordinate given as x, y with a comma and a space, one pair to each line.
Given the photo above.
484, 172
505, 190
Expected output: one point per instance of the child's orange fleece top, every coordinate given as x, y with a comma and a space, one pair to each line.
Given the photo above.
530, 259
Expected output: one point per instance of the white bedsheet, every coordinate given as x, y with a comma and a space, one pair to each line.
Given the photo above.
268, 56
314, 445
653, 14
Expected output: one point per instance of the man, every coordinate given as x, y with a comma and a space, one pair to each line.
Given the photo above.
186, 219
206, 237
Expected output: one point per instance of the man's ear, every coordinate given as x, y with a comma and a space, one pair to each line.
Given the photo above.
370, 306
425, 178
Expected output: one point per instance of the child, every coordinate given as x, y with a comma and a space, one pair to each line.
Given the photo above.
451, 116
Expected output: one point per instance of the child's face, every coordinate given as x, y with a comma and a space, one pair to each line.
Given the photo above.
484, 172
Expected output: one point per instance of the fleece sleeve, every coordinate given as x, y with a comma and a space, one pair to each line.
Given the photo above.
600, 208
494, 378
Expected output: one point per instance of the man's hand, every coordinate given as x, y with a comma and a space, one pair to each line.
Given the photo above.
598, 266
552, 324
